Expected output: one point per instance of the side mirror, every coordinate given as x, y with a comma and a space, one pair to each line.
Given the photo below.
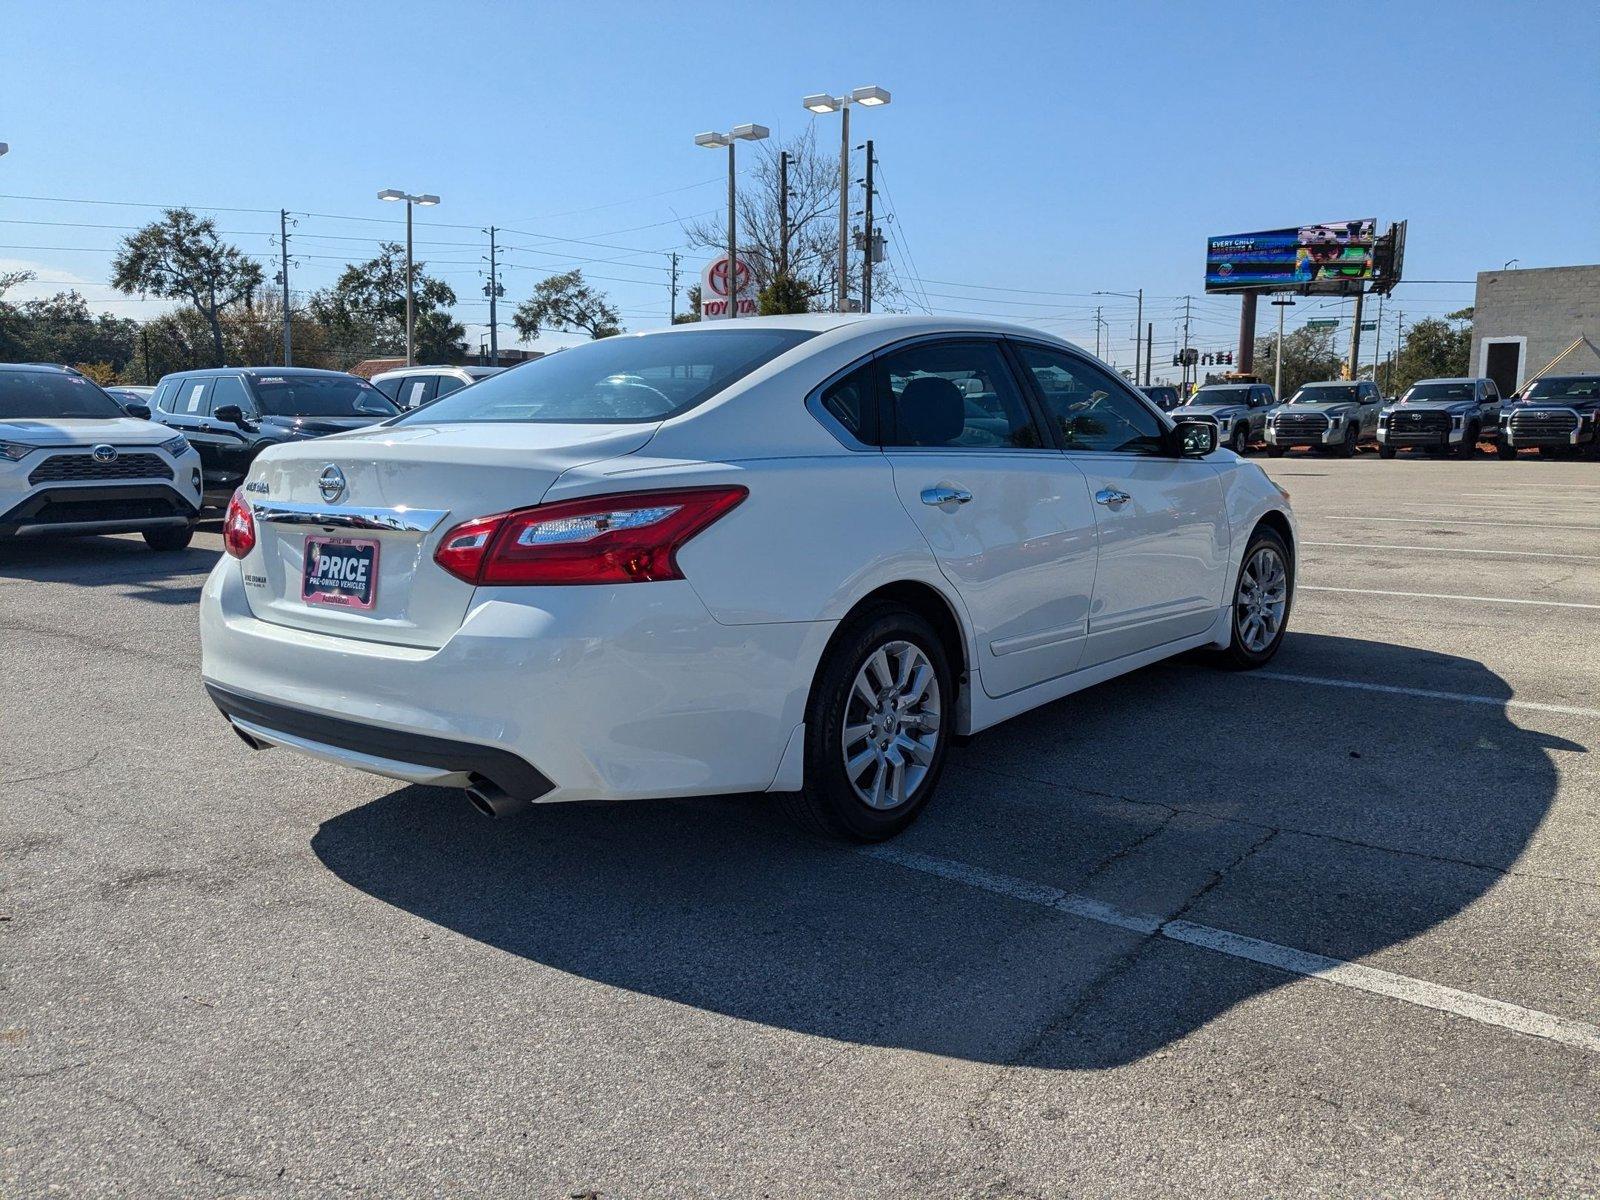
139, 411
231, 413
1194, 439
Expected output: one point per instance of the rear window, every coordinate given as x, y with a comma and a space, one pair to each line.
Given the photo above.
320, 396
45, 394
625, 379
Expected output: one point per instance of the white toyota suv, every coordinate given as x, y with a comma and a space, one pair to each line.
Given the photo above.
73, 461
786, 554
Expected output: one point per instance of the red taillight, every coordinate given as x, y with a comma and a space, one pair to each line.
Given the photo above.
239, 526
628, 538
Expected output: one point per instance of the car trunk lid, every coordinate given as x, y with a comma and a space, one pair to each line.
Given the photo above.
403, 488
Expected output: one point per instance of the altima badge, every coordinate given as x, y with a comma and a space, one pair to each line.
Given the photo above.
331, 483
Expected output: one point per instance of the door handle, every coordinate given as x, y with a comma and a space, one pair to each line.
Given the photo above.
1111, 496
936, 496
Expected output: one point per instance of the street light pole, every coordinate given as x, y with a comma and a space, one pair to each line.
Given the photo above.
824, 102
739, 133
1138, 325
427, 200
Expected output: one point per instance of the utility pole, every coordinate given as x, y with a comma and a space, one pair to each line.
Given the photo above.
1355, 340
411, 288
494, 295
783, 213
1186, 302
283, 266
1149, 349
1137, 321
674, 310
866, 246
1280, 303
1097, 331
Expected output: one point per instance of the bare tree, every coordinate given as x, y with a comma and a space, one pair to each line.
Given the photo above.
813, 224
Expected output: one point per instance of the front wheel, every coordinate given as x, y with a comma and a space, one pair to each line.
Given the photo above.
170, 538
1275, 451
1385, 451
1241, 441
876, 727
1504, 450
1347, 448
1262, 595
1469, 443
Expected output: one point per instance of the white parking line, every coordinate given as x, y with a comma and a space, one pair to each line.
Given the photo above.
1456, 550
1577, 1034
1456, 521
1448, 596
1571, 710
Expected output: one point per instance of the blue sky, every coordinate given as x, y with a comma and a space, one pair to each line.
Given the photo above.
1055, 149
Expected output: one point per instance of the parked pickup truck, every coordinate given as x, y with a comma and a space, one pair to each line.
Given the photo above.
1559, 414
1326, 416
1239, 409
1440, 414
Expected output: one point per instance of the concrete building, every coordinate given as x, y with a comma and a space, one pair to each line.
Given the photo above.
1523, 319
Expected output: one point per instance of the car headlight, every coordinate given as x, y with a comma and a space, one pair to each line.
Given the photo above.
15, 451
1335, 418
1456, 421
176, 446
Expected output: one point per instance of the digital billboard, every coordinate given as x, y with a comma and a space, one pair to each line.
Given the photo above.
1331, 256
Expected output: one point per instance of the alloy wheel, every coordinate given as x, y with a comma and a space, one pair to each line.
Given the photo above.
1263, 597
891, 725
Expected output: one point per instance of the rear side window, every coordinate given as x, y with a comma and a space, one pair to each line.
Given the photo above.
448, 384
165, 391
959, 395
389, 387
852, 401
415, 391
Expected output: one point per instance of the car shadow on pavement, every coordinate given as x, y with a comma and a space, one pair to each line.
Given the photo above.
1334, 820
119, 562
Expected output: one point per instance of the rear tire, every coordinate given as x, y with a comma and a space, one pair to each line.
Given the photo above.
1263, 594
878, 725
170, 539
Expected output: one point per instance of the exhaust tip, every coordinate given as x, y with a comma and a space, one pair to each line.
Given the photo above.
492, 800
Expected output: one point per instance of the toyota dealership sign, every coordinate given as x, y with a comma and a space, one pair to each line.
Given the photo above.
714, 290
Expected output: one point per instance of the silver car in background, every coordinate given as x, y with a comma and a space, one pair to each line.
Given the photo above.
1333, 415
412, 387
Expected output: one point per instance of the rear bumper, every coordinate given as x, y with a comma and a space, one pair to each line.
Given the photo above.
60, 510
553, 694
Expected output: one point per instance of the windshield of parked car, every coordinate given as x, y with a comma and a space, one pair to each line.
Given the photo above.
629, 378
320, 396
46, 394
1232, 394
1439, 391
1325, 393
1578, 387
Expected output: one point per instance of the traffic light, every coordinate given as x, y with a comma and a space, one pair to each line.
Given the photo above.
1177, 360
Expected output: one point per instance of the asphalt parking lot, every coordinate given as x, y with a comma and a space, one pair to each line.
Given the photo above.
1111, 960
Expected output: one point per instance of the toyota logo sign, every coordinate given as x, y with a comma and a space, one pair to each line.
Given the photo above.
714, 298
104, 454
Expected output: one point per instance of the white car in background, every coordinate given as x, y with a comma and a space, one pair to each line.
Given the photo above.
412, 387
786, 554
73, 462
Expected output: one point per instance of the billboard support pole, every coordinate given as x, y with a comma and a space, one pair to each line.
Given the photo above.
1247, 334
1355, 338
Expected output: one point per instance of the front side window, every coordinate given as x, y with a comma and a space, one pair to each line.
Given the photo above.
1088, 408
625, 379
959, 395
228, 390
46, 394
320, 396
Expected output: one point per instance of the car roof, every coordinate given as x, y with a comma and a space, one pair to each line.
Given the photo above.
253, 371
1453, 379
40, 368
404, 372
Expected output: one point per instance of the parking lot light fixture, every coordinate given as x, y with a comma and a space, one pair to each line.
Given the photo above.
713, 141
871, 96
426, 200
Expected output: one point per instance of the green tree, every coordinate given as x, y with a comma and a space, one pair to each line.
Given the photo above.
364, 314
1309, 356
693, 315
784, 294
1433, 348
566, 302
180, 257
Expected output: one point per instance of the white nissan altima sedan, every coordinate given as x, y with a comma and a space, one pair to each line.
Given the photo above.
793, 555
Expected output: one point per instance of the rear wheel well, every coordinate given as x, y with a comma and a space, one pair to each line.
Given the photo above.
932, 607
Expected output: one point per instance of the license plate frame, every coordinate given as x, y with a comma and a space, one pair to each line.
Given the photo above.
325, 586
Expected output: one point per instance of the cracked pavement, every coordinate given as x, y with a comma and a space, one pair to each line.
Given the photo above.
235, 974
